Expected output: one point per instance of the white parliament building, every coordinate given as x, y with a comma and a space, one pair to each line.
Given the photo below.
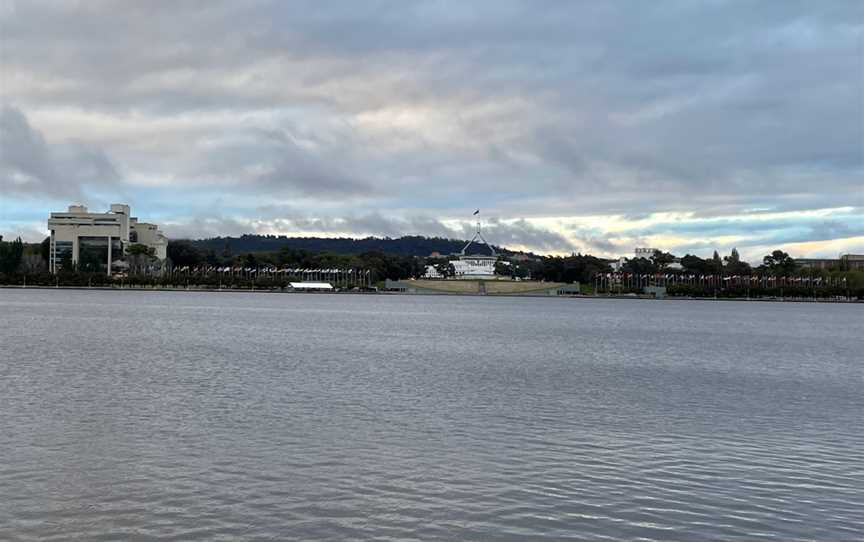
475, 266
116, 230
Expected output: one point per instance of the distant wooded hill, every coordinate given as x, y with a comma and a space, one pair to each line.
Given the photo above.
412, 245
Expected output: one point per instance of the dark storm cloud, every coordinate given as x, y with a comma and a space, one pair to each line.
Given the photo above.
544, 109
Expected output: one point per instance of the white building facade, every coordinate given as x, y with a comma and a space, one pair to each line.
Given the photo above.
474, 267
77, 232
648, 254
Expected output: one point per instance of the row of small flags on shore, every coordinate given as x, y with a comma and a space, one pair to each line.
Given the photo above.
265, 270
631, 280
348, 278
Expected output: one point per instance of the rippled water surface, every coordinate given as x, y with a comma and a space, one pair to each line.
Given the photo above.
227, 416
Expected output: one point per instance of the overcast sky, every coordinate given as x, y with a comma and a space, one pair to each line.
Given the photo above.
573, 126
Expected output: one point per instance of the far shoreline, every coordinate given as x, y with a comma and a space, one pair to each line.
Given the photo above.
448, 294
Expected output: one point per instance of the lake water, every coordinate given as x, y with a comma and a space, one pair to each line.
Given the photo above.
230, 416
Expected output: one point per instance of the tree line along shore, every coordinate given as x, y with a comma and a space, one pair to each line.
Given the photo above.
190, 265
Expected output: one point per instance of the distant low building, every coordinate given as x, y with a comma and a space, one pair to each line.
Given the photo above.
642, 252
105, 236
817, 263
852, 262
648, 254
846, 262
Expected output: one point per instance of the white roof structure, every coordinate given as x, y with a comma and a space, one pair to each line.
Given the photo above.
474, 267
311, 285
470, 266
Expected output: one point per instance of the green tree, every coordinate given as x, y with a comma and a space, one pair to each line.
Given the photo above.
45, 249
716, 264
779, 262
573, 268
249, 260
734, 265
183, 253
640, 266
210, 258
696, 265
137, 249
662, 259
10, 255
503, 269
733, 258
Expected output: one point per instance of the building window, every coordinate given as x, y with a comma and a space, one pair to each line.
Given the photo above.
62, 253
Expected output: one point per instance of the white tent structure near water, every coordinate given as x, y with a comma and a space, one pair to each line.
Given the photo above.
311, 286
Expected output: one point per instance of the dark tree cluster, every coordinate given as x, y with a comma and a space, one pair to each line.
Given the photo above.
575, 268
778, 263
11, 255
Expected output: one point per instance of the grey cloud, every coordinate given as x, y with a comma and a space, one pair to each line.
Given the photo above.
593, 241
845, 224
549, 109
521, 233
31, 165
822, 231
204, 227
835, 229
766, 233
273, 163
294, 222
297, 170
372, 224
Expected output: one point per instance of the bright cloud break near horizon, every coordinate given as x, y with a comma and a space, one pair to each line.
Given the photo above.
575, 126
